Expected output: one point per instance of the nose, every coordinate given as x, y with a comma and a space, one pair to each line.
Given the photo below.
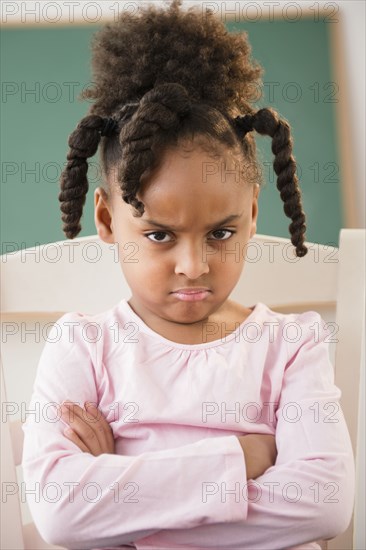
191, 261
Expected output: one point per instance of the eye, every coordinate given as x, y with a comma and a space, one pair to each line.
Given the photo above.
157, 233
224, 231
162, 233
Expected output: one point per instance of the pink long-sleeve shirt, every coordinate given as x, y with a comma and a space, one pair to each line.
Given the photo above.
178, 478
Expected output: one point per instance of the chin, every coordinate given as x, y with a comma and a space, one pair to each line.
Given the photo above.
192, 312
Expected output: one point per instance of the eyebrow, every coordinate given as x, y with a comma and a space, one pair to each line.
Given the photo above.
230, 218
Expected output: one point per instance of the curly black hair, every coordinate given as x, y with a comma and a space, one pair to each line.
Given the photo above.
159, 77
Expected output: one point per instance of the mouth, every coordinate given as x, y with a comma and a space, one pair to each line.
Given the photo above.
191, 294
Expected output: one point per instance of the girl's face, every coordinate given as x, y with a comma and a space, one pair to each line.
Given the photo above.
182, 239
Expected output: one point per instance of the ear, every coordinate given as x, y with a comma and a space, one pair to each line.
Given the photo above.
103, 216
253, 228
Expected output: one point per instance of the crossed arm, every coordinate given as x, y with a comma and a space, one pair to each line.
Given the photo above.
277, 519
314, 457
90, 431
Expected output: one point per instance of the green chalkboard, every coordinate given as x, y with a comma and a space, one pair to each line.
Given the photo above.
44, 70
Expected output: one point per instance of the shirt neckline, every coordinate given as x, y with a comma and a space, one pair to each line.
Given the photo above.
220, 342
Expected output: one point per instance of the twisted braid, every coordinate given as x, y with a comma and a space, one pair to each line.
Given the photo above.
149, 130
83, 143
266, 122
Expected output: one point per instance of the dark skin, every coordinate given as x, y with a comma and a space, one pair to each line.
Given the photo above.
90, 430
176, 261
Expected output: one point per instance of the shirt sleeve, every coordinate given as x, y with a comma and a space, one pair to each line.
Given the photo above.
81, 501
308, 494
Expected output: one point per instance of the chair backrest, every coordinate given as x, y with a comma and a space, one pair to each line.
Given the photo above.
40, 284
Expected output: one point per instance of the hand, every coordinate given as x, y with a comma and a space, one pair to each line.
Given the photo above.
260, 453
90, 430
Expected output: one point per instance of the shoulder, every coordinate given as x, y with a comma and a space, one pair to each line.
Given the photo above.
295, 330
82, 329
288, 331
76, 343
261, 313
84, 320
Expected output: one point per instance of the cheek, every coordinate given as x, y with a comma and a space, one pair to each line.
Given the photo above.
231, 254
141, 264
128, 254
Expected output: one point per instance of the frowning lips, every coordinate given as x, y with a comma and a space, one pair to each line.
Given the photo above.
192, 289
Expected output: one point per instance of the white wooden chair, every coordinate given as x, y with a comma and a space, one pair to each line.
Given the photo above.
42, 283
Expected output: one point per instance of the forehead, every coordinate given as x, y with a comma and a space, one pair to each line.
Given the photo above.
194, 181
196, 171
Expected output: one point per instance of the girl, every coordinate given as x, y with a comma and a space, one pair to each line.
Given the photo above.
195, 437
